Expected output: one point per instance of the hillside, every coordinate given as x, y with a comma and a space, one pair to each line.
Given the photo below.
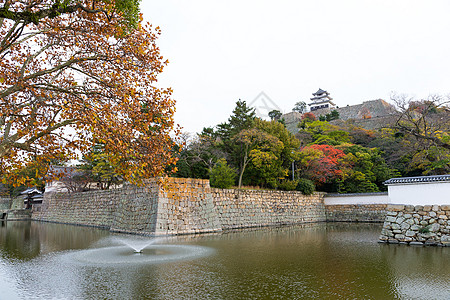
370, 114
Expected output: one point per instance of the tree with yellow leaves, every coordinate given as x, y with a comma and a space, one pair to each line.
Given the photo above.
78, 72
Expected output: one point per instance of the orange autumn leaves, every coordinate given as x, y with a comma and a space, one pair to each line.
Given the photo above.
322, 163
79, 79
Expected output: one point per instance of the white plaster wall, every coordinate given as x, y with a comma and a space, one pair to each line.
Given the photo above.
55, 186
420, 193
357, 199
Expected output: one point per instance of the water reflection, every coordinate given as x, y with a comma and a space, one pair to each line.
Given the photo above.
324, 261
19, 240
25, 240
419, 272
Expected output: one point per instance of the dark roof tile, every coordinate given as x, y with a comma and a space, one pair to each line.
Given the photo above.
418, 179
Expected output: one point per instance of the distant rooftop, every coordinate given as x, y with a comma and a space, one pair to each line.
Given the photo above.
418, 179
31, 191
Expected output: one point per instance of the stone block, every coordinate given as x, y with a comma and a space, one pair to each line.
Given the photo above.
415, 227
445, 207
445, 239
395, 226
424, 223
435, 227
410, 233
399, 220
427, 208
404, 226
409, 208
395, 207
418, 208
415, 243
409, 221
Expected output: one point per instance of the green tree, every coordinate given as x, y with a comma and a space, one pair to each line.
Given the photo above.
334, 115
99, 168
199, 155
232, 141
290, 144
272, 153
275, 115
222, 176
300, 107
241, 118
396, 149
365, 170
255, 144
306, 186
323, 133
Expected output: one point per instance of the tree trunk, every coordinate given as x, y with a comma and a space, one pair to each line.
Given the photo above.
245, 162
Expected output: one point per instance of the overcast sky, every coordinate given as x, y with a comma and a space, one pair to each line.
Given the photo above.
223, 51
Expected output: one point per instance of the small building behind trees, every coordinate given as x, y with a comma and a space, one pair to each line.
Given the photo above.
31, 196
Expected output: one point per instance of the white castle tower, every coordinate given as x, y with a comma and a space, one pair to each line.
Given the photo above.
321, 100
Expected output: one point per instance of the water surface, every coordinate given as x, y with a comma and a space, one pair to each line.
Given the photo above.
314, 261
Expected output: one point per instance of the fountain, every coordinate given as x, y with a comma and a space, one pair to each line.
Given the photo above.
134, 250
138, 245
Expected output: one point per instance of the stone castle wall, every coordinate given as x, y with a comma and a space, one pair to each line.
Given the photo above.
356, 212
5, 202
417, 225
253, 208
185, 206
371, 109
95, 208
180, 206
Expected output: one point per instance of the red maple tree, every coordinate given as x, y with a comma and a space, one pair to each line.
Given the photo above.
322, 163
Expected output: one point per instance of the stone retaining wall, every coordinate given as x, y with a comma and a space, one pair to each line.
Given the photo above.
185, 206
95, 208
18, 214
180, 206
417, 225
254, 208
356, 213
5, 202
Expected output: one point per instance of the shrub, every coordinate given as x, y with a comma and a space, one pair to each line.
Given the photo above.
306, 186
424, 229
288, 185
222, 176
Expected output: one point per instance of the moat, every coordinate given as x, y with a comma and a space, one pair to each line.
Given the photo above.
322, 261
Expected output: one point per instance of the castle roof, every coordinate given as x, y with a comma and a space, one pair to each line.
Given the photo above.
320, 96
320, 92
318, 101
